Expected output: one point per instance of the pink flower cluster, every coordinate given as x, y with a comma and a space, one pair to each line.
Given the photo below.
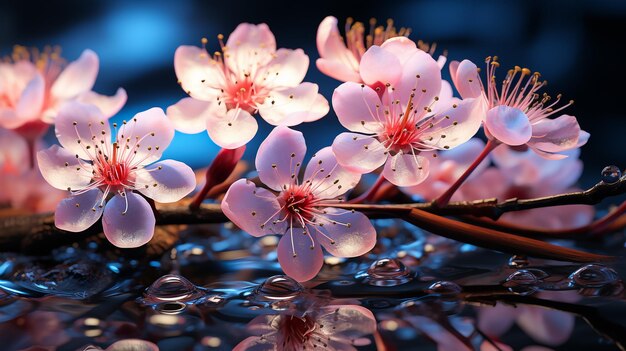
403, 123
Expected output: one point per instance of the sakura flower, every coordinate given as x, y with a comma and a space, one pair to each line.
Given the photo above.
530, 175
549, 327
21, 187
518, 114
92, 168
397, 115
249, 75
331, 327
126, 345
299, 210
35, 84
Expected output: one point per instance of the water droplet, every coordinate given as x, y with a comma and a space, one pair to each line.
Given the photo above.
171, 288
593, 276
444, 287
522, 282
171, 307
278, 287
386, 272
518, 261
611, 174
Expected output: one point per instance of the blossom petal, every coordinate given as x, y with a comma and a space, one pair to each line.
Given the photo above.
147, 135
253, 209
406, 169
359, 153
79, 212
555, 135
249, 45
380, 66
466, 79
421, 75
78, 77
402, 47
289, 106
358, 108
61, 169
298, 256
329, 178
497, 320
546, 326
199, 75
32, 98
190, 115
233, 130
286, 69
13, 152
318, 110
338, 70
9, 119
174, 180
108, 105
509, 125
128, 221
456, 125
346, 233
79, 126
280, 156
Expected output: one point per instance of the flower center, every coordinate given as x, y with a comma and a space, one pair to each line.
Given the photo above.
358, 42
297, 331
298, 202
242, 94
111, 172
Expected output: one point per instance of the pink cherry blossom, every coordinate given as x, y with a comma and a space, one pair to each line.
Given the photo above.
35, 84
21, 187
530, 175
397, 115
92, 167
517, 114
549, 327
300, 210
524, 174
345, 60
331, 327
249, 75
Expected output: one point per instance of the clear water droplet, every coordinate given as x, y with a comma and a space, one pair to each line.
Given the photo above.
444, 287
171, 288
522, 282
518, 261
278, 287
593, 276
386, 272
611, 174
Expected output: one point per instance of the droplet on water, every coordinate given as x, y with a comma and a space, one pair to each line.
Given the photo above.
444, 287
278, 287
522, 282
611, 174
593, 276
171, 288
386, 272
518, 261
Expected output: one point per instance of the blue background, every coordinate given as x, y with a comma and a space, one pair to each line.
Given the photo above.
572, 43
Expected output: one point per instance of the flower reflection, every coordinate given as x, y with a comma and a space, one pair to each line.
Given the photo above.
126, 345
543, 325
331, 327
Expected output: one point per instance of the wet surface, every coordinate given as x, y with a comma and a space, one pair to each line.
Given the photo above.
220, 289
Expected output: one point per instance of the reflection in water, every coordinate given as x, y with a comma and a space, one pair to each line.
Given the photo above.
331, 327
416, 292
